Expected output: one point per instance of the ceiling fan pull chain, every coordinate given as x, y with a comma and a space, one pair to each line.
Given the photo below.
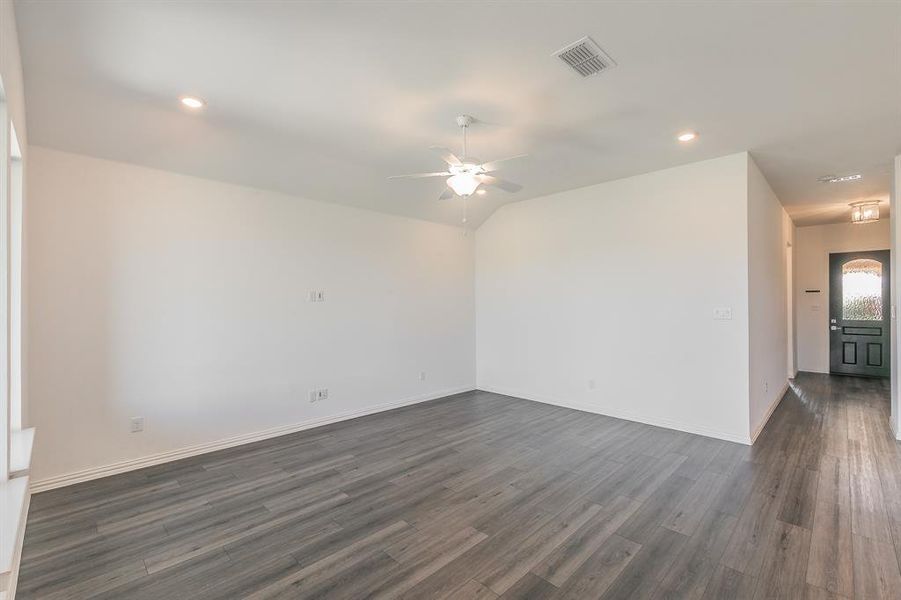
464, 209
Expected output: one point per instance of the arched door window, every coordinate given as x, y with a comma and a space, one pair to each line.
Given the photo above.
862, 290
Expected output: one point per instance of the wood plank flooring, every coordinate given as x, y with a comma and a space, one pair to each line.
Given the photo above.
486, 496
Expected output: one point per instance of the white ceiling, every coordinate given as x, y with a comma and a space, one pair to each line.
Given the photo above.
325, 100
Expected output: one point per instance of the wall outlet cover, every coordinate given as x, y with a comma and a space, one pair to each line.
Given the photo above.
137, 424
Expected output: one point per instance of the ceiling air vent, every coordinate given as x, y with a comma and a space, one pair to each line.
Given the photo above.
585, 57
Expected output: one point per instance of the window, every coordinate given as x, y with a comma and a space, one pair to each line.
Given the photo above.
15, 442
5, 424
16, 190
862, 290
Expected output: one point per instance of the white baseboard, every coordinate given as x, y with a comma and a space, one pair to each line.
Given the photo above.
818, 371
620, 414
246, 438
769, 413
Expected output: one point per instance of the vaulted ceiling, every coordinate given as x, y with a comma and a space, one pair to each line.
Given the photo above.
325, 100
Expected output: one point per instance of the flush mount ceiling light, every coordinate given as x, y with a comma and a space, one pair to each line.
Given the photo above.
193, 102
865, 212
839, 178
687, 136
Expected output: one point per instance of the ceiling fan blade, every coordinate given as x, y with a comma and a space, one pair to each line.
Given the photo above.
448, 156
447, 194
494, 165
420, 175
507, 186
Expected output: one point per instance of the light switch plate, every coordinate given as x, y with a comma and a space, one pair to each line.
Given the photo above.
722, 313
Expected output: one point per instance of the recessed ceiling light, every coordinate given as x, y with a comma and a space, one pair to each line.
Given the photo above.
193, 102
839, 179
481, 192
687, 136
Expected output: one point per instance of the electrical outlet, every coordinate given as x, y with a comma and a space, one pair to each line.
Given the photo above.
317, 296
318, 395
422, 376
137, 424
592, 384
766, 387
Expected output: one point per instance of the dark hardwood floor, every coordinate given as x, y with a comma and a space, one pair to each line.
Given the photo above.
486, 496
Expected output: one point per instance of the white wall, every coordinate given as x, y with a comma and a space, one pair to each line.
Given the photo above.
769, 233
11, 71
895, 242
185, 301
617, 283
812, 248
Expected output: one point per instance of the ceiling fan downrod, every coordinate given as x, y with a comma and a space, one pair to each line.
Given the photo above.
464, 121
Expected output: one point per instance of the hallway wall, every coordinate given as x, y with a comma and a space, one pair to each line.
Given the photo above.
895, 232
770, 231
812, 248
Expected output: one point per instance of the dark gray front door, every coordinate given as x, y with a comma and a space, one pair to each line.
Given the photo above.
859, 313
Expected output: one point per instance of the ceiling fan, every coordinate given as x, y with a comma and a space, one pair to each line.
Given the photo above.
466, 174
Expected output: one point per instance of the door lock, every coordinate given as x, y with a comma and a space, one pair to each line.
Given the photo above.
833, 328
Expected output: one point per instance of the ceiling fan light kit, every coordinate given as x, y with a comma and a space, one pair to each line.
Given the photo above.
467, 174
463, 184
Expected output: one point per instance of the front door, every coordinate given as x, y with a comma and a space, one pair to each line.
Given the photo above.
859, 313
